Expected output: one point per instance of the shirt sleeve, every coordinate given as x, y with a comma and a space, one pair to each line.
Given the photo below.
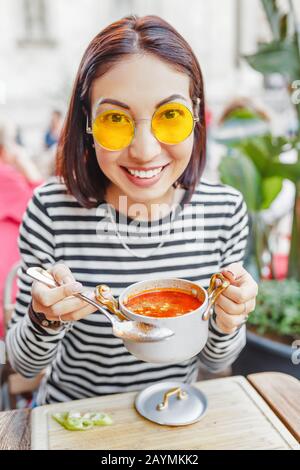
221, 349
31, 347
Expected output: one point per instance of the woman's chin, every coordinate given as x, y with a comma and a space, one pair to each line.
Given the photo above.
144, 193
148, 194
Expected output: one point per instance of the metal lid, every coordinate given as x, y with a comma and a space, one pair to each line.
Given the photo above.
171, 403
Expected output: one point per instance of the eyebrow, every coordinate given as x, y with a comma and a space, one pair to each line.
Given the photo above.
124, 105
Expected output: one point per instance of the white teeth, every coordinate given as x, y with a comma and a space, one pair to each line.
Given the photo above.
145, 174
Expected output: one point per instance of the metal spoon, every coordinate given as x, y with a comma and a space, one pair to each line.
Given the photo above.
128, 330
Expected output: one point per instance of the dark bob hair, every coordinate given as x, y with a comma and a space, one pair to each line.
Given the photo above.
76, 159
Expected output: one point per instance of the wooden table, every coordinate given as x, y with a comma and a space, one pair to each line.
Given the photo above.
280, 391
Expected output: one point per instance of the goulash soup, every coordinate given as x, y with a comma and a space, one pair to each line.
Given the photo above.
165, 302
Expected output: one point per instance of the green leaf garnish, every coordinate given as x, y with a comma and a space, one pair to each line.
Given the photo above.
74, 421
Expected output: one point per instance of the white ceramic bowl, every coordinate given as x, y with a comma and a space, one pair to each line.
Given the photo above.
191, 329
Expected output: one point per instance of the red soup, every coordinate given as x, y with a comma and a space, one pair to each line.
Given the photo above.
165, 302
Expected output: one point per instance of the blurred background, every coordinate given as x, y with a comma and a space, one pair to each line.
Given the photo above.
42, 42
249, 52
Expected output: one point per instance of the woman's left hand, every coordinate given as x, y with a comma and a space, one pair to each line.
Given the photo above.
234, 305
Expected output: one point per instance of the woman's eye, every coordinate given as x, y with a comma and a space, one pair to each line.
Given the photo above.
116, 118
172, 114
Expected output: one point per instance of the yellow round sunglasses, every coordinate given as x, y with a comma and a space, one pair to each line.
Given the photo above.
114, 129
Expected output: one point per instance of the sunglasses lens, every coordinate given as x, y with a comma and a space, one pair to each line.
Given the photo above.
172, 123
113, 129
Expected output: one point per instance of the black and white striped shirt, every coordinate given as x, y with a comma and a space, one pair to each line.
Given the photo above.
87, 360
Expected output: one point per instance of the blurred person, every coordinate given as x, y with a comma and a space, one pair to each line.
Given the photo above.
54, 129
18, 177
15, 155
45, 161
19, 136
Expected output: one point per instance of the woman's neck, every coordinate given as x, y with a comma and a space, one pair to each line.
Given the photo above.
143, 210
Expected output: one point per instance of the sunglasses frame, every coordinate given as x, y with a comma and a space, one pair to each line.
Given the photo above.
90, 131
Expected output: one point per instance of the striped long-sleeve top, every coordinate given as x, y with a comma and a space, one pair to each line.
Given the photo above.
202, 237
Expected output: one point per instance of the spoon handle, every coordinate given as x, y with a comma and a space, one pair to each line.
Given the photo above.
130, 330
41, 275
214, 291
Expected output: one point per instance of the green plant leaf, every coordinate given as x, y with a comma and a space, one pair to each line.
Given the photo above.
283, 27
271, 187
264, 151
273, 16
276, 57
239, 171
289, 171
254, 149
275, 145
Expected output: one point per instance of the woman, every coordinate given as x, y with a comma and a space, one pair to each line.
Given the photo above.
133, 143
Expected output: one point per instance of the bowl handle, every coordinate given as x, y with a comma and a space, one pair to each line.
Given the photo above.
104, 296
214, 291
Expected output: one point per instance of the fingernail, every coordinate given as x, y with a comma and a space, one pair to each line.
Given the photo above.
65, 280
230, 273
76, 287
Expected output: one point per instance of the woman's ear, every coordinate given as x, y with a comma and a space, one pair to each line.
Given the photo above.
88, 128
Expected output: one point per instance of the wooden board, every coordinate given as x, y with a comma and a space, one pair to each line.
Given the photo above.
237, 418
282, 393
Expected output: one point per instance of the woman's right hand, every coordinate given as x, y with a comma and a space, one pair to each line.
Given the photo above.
59, 302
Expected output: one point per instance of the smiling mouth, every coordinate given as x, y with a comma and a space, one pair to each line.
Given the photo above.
145, 174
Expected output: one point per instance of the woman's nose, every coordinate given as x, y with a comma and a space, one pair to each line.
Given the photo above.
144, 145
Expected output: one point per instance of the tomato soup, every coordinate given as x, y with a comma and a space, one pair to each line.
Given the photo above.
165, 302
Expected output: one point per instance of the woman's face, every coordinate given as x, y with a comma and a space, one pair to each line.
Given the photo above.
140, 83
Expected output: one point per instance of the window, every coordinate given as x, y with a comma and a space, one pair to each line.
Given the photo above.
35, 24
